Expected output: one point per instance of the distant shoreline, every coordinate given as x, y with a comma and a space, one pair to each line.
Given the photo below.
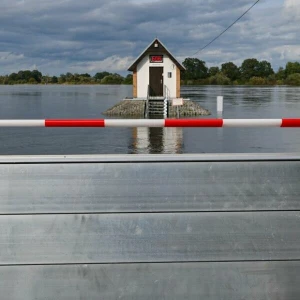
251, 73
125, 84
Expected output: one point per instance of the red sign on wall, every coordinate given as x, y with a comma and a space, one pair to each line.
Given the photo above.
156, 58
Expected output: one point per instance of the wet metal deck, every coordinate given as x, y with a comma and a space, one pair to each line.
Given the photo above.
150, 227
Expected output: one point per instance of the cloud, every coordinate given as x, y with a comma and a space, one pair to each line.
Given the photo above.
292, 9
61, 36
9, 57
113, 63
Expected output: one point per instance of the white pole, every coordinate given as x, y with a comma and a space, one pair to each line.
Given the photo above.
220, 104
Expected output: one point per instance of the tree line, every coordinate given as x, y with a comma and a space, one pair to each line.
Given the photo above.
36, 77
251, 72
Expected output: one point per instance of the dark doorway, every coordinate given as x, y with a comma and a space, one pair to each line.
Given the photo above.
156, 81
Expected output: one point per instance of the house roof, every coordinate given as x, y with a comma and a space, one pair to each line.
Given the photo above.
161, 49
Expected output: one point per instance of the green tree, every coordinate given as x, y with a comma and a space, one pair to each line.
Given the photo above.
250, 68
231, 71
281, 74
293, 79
62, 78
264, 69
87, 75
112, 79
85, 79
219, 79
46, 79
213, 71
292, 68
32, 81
100, 75
128, 79
195, 69
13, 77
271, 80
76, 78
5, 80
54, 80
255, 80
37, 75
24, 76
69, 77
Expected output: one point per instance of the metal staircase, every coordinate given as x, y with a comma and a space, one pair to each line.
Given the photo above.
157, 106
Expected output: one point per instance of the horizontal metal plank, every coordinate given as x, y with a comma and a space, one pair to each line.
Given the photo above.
210, 281
128, 158
171, 237
141, 187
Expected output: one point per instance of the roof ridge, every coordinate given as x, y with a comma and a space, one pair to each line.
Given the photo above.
138, 59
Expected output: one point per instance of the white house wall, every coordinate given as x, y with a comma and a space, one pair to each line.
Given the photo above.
143, 75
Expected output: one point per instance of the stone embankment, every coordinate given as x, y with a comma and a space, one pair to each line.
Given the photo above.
188, 109
135, 108
127, 108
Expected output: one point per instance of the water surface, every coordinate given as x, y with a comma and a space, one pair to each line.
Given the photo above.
56, 101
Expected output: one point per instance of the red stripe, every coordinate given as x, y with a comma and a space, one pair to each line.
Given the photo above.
193, 123
74, 123
290, 123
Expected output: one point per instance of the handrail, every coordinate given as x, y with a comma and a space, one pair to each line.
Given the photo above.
166, 93
146, 111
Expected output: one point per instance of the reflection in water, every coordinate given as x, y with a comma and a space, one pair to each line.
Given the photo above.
157, 140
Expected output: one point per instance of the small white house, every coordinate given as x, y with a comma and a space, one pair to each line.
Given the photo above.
156, 73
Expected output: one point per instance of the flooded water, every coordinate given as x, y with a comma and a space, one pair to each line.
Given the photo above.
40, 102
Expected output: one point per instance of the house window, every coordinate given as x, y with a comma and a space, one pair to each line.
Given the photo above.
169, 74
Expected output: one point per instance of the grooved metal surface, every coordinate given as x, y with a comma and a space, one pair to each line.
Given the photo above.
48, 239
150, 227
210, 281
147, 187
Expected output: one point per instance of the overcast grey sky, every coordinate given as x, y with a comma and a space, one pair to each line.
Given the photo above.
58, 36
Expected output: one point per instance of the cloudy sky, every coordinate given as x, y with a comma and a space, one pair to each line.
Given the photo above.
59, 36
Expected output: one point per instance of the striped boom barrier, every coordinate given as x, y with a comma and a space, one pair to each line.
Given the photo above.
153, 123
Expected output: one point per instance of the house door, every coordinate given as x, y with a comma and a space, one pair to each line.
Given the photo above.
156, 81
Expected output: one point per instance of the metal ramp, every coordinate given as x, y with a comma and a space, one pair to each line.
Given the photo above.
150, 227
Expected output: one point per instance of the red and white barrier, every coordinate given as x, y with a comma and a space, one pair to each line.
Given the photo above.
154, 123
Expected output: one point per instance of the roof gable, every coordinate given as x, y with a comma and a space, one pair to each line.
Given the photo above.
160, 48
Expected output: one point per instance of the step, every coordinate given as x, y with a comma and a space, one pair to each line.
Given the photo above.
156, 110
157, 107
156, 98
156, 104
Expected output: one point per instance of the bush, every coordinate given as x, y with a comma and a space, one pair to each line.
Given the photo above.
128, 79
257, 81
279, 82
219, 79
112, 79
293, 79
271, 80
32, 81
